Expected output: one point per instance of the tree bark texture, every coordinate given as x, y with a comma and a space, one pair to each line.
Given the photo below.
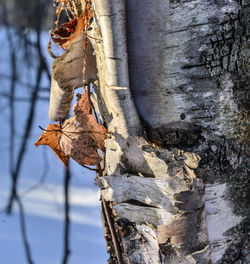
67, 75
113, 68
179, 194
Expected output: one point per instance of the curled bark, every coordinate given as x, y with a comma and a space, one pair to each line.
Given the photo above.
192, 72
113, 67
67, 75
161, 214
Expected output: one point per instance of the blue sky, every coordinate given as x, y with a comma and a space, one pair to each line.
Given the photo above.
43, 203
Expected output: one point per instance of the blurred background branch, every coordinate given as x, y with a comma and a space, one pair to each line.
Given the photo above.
18, 18
66, 251
24, 94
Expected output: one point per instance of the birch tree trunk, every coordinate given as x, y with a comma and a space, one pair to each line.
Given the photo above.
173, 88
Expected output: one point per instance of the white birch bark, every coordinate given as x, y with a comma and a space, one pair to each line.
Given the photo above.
180, 195
183, 75
67, 75
113, 67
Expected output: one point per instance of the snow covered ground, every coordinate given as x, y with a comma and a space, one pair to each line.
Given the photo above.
41, 183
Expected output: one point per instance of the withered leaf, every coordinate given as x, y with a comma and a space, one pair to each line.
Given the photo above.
83, 115
76, 142
51, 137
79, 137
68, 31
82, 135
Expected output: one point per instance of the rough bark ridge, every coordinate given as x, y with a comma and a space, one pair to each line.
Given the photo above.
190, 89
157, 203
198, 77
110, 46
199, 68
149, 190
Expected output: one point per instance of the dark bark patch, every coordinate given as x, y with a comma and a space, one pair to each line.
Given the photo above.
138, 203
183, 234
239, 250
176, 134
126, 227
190, 200
182, 116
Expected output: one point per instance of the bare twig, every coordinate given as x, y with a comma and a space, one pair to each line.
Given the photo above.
42, 12
11, 100
22, 149
15, 167
117, 248
22, 99
22, 83
23, 230
41, 68
12, 134
66, 217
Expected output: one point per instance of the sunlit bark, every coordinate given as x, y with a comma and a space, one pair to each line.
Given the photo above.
179, 193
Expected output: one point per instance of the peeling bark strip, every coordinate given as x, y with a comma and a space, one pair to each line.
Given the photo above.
67, 75
192, 88
114, 239
188, 60
159, 218
112, 67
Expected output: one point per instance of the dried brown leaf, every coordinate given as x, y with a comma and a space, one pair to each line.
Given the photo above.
51, 137
81, 135
76, 142
68, 31
83, 115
